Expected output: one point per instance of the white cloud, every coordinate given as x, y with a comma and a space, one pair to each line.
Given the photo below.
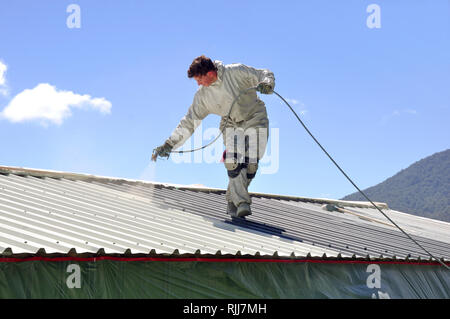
46, 104
3, 69
296, 104
293, 101
397, 113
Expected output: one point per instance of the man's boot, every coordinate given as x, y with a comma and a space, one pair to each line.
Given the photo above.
243, 210
231, 209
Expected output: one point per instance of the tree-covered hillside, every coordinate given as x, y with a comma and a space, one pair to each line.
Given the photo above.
422, 189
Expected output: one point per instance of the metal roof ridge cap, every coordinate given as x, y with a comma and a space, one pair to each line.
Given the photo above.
83, 176
325, 200
51, 173
358, 204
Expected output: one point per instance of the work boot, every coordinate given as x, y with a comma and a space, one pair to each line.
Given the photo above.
243, 210
231, 209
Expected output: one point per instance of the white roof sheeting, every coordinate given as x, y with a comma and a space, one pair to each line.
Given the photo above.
58, 215
59, 211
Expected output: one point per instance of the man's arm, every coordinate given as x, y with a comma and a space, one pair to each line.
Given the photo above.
258, 77
196, 113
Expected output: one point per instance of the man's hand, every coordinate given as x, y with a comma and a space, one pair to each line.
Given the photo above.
264, 88
162, 151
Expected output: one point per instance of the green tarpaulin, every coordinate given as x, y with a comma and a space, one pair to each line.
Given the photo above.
218, 278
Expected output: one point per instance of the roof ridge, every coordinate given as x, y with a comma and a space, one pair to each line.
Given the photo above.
24, 171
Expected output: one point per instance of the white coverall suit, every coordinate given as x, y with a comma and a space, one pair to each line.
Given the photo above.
248, 115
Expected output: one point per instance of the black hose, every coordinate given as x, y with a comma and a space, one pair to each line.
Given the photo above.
359, 190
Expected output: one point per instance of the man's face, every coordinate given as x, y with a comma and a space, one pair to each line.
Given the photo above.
207, 79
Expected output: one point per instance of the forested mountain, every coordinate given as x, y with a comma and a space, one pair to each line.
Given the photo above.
422, 189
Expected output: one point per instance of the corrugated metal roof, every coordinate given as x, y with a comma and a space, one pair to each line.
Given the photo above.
59, 211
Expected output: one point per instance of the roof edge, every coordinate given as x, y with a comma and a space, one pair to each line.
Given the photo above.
188, 257
24, 171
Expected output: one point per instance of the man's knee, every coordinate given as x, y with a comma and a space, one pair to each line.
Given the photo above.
233, 164
251, 170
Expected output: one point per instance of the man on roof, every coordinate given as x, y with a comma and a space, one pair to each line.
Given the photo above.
245, 131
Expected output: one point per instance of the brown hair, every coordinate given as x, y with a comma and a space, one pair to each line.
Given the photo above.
200, 66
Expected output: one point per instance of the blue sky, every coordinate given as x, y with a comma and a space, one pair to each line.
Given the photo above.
97, 99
